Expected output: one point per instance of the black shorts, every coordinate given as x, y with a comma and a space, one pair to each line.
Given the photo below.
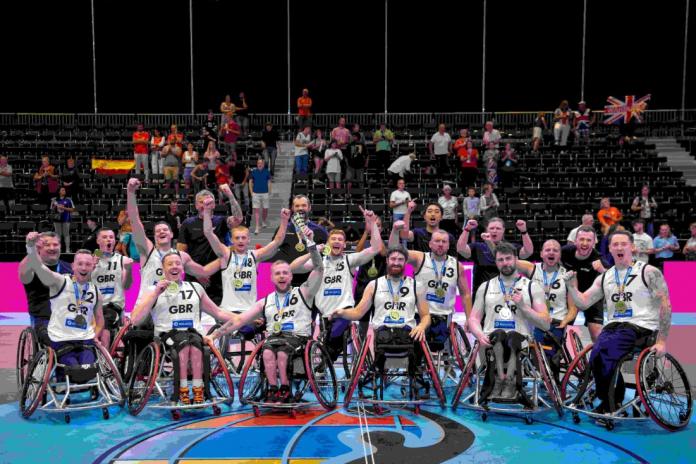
112, 316
594, 315
438, 333
286, 343
178, 339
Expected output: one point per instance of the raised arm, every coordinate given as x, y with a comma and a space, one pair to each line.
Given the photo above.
463, 242
406, 233
527, 244
270, 249
192, 267
302, 264
659, 290
311, 286
584, 300
127, 273
235, 209
50, 279
376, 244
221, 251
143, 244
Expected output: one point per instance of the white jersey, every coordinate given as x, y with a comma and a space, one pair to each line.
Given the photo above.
502, 315
107, 277
288, 313
68, 321
636, 303
239, 282
440, 283
178, 311
397, 309
554, 289
151, 272
336, 290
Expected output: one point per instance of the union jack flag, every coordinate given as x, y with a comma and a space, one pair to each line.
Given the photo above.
625, 110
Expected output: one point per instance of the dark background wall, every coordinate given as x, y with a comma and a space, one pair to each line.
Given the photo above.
533, 51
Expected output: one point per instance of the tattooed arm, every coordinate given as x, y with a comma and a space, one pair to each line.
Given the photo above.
658, 288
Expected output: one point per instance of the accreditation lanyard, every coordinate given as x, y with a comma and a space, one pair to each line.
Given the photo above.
395, 298
547, 284
507, 295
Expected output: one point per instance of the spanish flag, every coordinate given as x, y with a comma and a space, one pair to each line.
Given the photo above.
112, 167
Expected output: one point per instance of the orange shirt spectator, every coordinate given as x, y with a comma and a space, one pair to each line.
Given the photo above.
222, 173
304, 104
177, 136
608, 215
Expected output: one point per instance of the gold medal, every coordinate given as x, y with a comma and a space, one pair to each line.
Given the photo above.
394, 315
238, 283
372, 272
173, 288
300, 247
276, 327
440, 292
620, 306
327, 250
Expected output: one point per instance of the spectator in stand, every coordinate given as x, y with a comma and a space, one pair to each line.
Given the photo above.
304, 110
156, 145
199, 176
561, 124
90, 242
212, 155
440, 148
587, 220
643, 242
489, 203
124, 224
356, 130
141, 140
468, 161
509, 162
174, 218
189, 160
302, 142
223, 176
399, 199
490, 135
176, 136
70, 179
341, 134
356, 161
538, 131
6, 185
333, 157
227, 107
690, 245
126, 245
383, 139
230, 133
172, 158
645, 206
317, 148
665, 245
209, 131
490, 159
420, 237
269, 145
449, 210
398, 169
240, 177
242, 113
582, 121
261, 188
63, 206
46, 181
608, 215
472, 210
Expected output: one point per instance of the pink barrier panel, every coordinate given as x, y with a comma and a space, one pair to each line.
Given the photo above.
678, 275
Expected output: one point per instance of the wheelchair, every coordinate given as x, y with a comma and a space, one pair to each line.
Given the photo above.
53, 387
154, 381
309, 367
371, 382
236, 347
128, 343
451, 355
535, 372
560, 353
27, 346
350, 341
661, 389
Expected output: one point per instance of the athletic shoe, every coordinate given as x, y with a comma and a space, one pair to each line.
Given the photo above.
263, 225
271, 394
198, 397
184, 396
283, 395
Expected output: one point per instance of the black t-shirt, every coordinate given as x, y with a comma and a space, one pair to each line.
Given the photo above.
90, 242
583, 267
238, 172
170, 219
241, 111
270, 137
362, 278
484, 263
421, 241
37, 293
191, 235
211, 127
356, 155
288, 253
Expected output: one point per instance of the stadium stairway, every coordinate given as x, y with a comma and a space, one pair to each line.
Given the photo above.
282, 186
677, 158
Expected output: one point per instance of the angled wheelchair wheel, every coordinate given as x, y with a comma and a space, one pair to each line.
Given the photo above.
110, 375
461, 347
220, 378
432, 372
577, 380
142, 382
350, 351
358, 368
27, 346
467, 373
545, 372
36, 381
119, 351
321, 374
664, 390
252, 378
576, 343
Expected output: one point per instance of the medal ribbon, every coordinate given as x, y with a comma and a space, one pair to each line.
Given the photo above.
504, 290
279, 309
547, 284
395, 299
77, 292
625, 279
438, 275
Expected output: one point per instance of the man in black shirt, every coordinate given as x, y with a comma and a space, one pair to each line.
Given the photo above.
90, 242
420, 237
586, 262
356, 160
240, 174
242, 113
209, 131
37, 293
193, 241
269, 143
174, 218
292, 248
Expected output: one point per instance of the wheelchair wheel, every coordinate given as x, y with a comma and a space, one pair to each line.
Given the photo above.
220, 378
321, 374
252, 378
36, 381
545, 373
664, 390
577, 349
460, 345
357, 371
467, 372
350, 351
110, 375
432, 372
577, 380
144, 376
119, 352
27, 346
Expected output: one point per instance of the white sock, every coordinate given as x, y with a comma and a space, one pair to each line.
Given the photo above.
197, 383
183, 383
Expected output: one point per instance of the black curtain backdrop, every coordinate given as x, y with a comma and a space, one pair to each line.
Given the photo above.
337, 51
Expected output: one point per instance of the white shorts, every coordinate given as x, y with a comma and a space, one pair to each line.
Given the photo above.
259, 200
536, 133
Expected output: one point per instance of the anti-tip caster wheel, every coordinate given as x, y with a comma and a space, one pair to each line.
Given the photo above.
216, 410
576, 418
257, 411
417, 409
293, 413
610, 425
67, 418
528, 420
105, 413
484, 416
176, 414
